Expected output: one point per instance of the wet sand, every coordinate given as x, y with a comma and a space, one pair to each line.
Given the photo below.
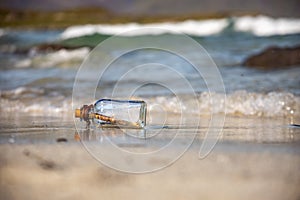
254, 159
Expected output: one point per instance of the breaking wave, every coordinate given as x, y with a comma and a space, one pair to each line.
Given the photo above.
2, 32
272, 104
258, 25
266, 26
61, 57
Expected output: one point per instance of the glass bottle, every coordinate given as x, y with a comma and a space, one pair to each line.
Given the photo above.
109, 112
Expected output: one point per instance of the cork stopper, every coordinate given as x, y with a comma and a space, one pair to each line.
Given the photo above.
77, 113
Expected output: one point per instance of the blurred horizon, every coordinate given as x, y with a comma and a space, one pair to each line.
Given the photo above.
274, 8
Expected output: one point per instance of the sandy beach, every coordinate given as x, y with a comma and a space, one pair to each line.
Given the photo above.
251, 160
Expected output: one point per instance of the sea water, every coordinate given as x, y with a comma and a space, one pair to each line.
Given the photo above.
41, 82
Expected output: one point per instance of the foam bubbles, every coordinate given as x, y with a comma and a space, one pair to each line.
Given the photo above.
257, 104
272, 104
2, 32
61, 57
191, 27
266, 26
241, 103
258, 25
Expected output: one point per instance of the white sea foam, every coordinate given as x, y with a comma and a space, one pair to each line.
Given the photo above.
58, 58
191, 27
266, 26
259, 25
33, 101
273, 104
41, 107
2, 32
21, 91
257, 104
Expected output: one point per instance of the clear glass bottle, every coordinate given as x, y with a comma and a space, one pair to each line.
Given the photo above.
109, 112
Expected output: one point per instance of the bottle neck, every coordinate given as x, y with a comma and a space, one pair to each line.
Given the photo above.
84, 112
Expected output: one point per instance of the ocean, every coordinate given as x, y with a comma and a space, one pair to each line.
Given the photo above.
40, 81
